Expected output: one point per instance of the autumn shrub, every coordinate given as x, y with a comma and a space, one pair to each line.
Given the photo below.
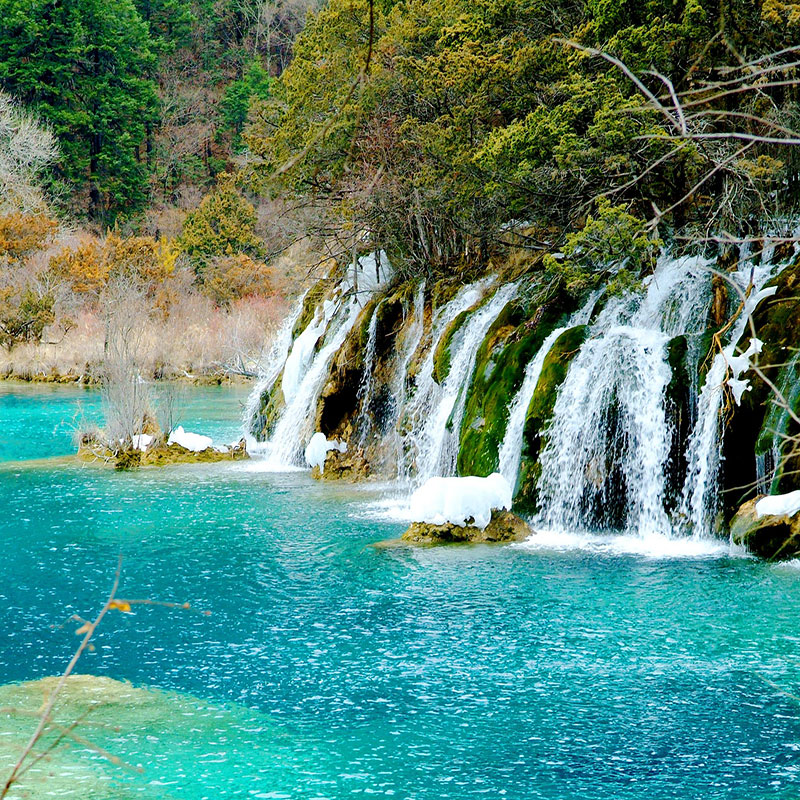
24, 316
22, 234
89, 265
231, 278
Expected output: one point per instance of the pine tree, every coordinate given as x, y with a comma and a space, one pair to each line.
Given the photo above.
84, 66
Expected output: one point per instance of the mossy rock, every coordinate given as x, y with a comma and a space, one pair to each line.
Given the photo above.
511, 343
443, 292
270, 407
679, 412
777, 325
451, 336
159, 454
314, 297
775, 538
540, 411
503, 527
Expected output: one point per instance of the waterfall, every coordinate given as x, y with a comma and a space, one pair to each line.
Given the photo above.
700, 497
436, 442
608, 442
418, 402
363, 423
295, 425
270, 368
410, 344
511, 447
445, 425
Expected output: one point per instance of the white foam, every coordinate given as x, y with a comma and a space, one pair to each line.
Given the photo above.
655, 546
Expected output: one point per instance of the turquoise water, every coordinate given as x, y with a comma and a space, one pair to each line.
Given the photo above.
342, 669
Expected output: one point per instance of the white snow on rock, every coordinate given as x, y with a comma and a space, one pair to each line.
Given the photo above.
738, 365
191, 441
317, 450
141, 441
458, 500
756, 297
779, 505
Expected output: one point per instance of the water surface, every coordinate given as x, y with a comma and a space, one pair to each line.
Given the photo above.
338, 669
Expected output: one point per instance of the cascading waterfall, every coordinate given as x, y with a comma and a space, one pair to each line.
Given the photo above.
295, 425
416, 406
700, 497
411, 342
436, 440
608, 442
459, 379
511, 447
608, 458
364, 420
270, 369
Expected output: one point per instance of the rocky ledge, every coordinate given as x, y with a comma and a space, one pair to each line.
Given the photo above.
772, 536
503, 527
158, 454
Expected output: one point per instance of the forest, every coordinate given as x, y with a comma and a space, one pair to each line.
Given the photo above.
186, 149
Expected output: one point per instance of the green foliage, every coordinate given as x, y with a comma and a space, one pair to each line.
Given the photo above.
23, 318
471, 115
83, 65
612, 244
223, 225
254, 85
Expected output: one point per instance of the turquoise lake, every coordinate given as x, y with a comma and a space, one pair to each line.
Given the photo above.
329, 668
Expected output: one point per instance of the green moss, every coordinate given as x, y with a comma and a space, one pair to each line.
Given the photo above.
315, 295
509, 346
540, 410
270, 407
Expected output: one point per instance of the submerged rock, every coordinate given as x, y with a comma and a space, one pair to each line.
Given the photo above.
503, 527
343, 466
772, 536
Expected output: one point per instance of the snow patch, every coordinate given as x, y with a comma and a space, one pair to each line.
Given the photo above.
456, 500
317, 450
778, 505
141, 441
190, 441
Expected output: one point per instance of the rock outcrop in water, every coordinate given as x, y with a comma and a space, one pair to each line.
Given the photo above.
503, 527
774, 537
603, 412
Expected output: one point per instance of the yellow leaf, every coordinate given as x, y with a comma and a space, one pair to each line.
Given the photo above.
120, 605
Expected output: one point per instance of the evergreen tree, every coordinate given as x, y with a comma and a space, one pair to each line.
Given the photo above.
84, 66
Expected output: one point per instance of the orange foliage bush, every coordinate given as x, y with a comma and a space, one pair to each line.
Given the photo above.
231, 278
88, 266
22, 234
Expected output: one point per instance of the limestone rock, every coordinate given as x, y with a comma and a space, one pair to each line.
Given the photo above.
504, 527
776, 538
347, 466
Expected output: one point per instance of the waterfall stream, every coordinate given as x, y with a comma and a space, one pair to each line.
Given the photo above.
272, 366
511, 447
607, 445
363, 424
440, 408
700, 496
416, 405
295, 426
